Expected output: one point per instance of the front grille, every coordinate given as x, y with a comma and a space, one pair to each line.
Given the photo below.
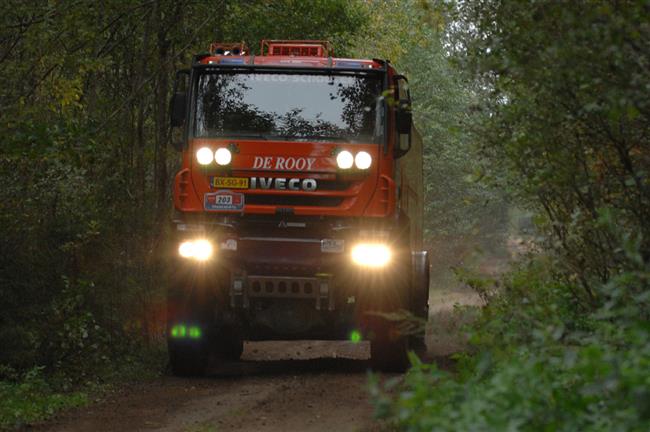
287, 287
294, 200
280, 269
265, 286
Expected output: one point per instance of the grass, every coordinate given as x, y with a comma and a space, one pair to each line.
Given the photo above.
36, 396
33, 400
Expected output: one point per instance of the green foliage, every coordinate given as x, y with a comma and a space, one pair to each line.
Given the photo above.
332, 20
461, 213
540, 363
561, 122
32, 399
582, 389
566, 92
86, 170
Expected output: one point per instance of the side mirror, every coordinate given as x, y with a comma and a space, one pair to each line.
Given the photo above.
178, 105
178, 109
403, 116
403, 145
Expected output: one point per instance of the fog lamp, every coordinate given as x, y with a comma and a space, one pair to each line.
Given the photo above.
199, 250
371, 254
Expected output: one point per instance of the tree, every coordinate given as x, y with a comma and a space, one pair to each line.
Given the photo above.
85, 161
567, 130
461, 214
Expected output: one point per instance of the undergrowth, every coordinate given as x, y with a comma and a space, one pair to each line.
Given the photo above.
41, 393
540, 362
33, 399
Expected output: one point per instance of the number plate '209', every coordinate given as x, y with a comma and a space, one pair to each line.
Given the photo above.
223, 200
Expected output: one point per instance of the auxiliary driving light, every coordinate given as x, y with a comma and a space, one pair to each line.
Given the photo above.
223, 156
344, 160
204, 155
363, 160
199, 250
371, 254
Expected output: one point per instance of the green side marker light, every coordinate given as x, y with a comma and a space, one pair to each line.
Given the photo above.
179, 331
355, 336
195, 332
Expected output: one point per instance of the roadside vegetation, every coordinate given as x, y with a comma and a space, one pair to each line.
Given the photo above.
86, 167
559, 123
31, 398
540, 109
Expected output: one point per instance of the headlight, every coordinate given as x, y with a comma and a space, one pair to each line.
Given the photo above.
186, 249
204, 155
371, 254
344, 160
363, 160
223, 156
199, 250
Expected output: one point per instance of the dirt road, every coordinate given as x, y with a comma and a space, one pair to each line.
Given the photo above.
279, 386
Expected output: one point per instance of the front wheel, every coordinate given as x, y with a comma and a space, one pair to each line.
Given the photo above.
420, 297
187, 359
188, 329
388, 346
380, 309
229, 343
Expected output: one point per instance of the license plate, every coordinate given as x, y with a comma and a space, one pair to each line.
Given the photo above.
230, 182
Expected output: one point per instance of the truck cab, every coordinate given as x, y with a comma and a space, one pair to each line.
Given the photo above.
298, 206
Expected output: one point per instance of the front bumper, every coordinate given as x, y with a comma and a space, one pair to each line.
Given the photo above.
319, 289
276, 260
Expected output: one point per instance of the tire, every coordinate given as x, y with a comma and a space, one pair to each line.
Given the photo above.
188, 305
420, 297
187, 360
229, 343
420, 283
388, 348
388, 294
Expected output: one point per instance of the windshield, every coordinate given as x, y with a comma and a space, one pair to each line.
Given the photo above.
290, 106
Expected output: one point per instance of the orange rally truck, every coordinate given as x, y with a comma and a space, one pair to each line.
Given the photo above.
298, 208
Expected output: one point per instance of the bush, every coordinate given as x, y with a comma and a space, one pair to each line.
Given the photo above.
32, 399
537, 367
564, 341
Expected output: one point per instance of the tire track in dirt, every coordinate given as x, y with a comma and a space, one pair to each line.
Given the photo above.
293, 389
279, 386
